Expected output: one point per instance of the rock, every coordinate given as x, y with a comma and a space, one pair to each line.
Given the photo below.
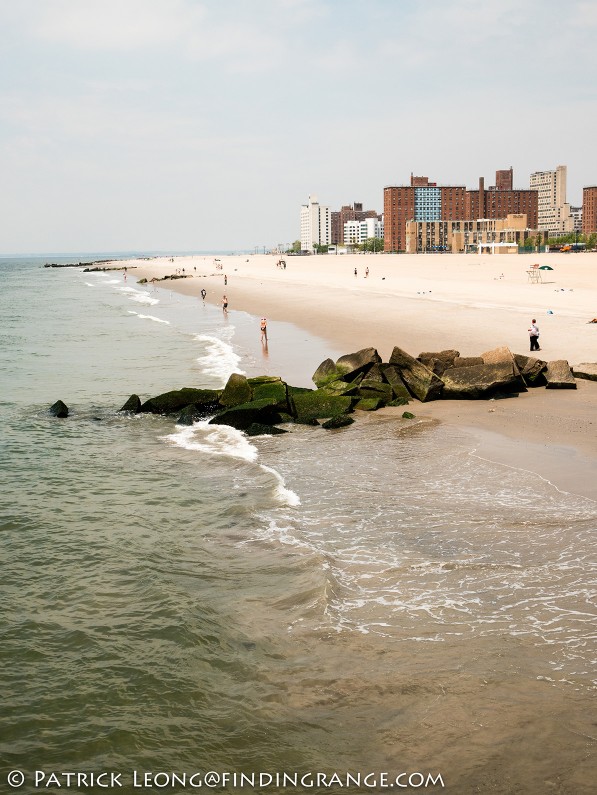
407, 415
439, 361
319, 404
559, 375
133, 405
400, 401
241, 417
189, 415
237, 391
499, 355
274, 390
207, 400
482, 381
586, 370
264, 379
325, 373
59, 409
259, 429
420, 380
341, 421
353, 364
369, 404
467, 361
341, 388
392, 376
375, 373
531, 369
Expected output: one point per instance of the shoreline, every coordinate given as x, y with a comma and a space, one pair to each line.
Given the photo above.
324, 298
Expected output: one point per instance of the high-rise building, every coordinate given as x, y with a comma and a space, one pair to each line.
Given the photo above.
504, 179
576, 213
315, 225
589, 210
346, 213
359, 231
426, 201
554, 212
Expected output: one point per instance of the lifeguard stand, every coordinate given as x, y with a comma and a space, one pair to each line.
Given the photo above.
534, 274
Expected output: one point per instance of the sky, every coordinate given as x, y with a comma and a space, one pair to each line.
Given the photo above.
179, 125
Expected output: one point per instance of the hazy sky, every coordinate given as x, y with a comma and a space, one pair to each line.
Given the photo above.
205, 124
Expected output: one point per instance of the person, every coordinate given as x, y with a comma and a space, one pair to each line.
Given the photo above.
225, 280
367, 273
225, 304
203, 293
534, 335
355, 272
263, 329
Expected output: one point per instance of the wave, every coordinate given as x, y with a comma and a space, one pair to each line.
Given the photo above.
219, 360
282, 494
213, 439
149, 317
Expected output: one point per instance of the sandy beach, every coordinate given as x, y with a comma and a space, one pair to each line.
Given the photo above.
433, 302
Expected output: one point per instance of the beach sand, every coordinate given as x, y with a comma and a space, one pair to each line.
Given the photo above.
430, 303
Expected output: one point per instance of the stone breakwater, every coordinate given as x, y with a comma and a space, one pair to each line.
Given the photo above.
358, 381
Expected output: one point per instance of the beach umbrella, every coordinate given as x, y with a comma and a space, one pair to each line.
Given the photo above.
546, 268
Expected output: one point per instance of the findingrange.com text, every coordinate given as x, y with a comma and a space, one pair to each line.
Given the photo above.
42, 779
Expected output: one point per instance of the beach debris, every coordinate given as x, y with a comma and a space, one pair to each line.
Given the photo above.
585, 370
593, 321
550, 311
559, 375
59, 409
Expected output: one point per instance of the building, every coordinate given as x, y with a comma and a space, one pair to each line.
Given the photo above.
346, 213
426, 201
589, 210
501, 235
554, 213
359, 231
504, 179
315, 225
576, 213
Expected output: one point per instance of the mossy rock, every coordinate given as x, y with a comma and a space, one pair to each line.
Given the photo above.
407, 415
237, 391
59, 409
241, 417
263, 379
369, 388
369, 404
341, 388
190, 414
132, 405
392, 376
326, 372
297, 390
341, 421
259, 429
319, 404
171, 402
399, 401
274, 390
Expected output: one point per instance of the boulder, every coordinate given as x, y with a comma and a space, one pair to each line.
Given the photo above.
59, 409
341, 388
133, 405
438, 361
241, 417
500, 355
482, 381
420, 380
170, 402
374, 373
467, 361
319, 404
586, 370
407, 415
392, 376
258, 429
325, 373
558, 375
353, 364
341, 421
189, 415
400, 401
369, 404
237, 391
531, 369
273, 390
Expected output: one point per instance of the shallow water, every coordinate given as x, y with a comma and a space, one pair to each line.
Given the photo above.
179, 599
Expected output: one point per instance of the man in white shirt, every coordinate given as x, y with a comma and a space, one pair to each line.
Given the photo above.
534, 335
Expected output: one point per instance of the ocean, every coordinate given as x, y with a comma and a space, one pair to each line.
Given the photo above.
177, 601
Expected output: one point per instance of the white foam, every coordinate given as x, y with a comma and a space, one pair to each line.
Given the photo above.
282, 494
214, 439
149, 317
140, 296
220, 360
89, 285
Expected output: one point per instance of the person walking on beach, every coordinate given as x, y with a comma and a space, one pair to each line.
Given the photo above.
355, 272
203, 294
263, 329
225, 304
367, 272
225, 280
534, 335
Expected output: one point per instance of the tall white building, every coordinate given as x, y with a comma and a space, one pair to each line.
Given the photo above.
316, 225
554, 213
359, 231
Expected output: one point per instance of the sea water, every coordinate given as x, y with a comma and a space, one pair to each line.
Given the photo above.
177, 600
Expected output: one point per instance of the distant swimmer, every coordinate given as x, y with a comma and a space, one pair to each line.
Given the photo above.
225, 303
264, 329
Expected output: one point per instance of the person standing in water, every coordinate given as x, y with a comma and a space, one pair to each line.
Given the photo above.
263, 329
225, 304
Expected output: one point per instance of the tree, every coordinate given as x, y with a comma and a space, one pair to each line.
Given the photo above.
373, 244
320, 248
296, 247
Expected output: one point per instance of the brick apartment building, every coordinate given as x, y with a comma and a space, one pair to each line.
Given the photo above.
589, 210
346, 213
426, 201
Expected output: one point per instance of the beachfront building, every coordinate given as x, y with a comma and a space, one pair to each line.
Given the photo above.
359, 231
576, 213
426, 201
554, 213
315, 225
493, 235
589, 210
346, 213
